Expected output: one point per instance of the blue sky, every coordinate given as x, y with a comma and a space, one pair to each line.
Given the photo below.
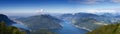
12, 7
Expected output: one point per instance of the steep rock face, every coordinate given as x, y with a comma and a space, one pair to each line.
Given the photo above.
42, 22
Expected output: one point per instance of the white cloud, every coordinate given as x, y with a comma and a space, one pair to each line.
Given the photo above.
92, 2
115, 10
39, 10
86, 1
115, 1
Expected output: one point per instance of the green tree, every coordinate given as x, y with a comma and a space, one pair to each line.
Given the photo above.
9, 29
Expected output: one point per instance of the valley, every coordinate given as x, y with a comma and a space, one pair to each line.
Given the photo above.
79, 23
59, 16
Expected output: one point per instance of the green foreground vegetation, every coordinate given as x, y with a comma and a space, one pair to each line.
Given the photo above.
108, 29
9, 29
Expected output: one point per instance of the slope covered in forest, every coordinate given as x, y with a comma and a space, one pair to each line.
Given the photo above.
108, 29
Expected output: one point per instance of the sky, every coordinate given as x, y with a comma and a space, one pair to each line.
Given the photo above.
13, 7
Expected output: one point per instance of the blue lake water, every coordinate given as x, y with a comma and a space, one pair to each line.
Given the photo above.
68, 28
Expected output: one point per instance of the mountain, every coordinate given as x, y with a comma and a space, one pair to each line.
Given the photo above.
6, 19
8, 22
85, 15
108, 15
91, 21
78, 15
88, 23
42, 22
108, 29
67, 17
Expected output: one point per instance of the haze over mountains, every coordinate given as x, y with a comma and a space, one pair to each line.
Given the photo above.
49, 22
88, 21
60, 16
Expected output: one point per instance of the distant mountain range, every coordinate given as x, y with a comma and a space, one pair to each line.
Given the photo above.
81, 20
91, 21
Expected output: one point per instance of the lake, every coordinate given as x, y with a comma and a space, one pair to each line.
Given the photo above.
68, 28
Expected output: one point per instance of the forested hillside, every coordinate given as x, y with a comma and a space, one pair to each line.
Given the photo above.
108, 29
9, 29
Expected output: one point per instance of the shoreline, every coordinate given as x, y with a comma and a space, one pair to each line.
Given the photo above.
82, 28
